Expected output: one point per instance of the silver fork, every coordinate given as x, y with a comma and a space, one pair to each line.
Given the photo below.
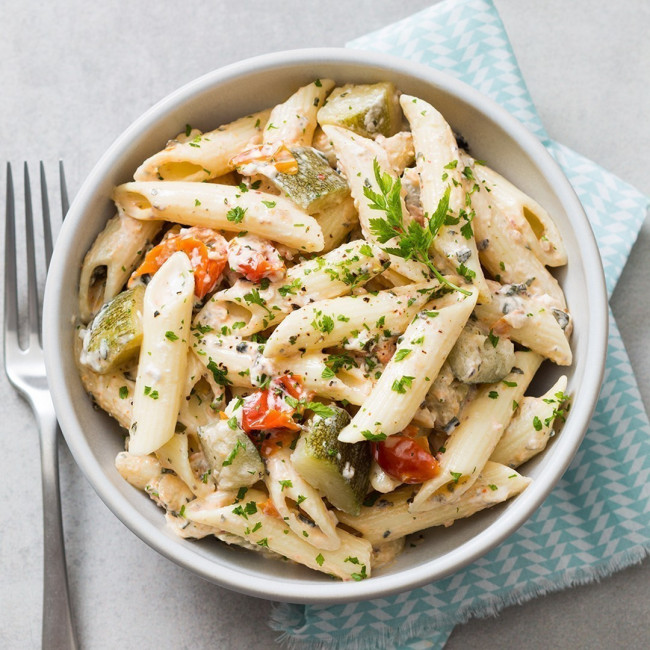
25, 368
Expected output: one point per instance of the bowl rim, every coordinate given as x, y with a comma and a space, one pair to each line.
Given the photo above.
306, 591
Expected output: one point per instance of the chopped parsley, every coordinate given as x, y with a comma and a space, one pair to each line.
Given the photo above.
219, 374
233, 454
151, 393
413, 240
236, 214
285, 483
171, 336
124, 392
400, 385
402, 354
373, 437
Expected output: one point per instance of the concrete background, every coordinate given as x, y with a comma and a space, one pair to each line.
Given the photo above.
74, 74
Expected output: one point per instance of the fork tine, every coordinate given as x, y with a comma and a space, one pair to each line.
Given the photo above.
47, 225
65, 204
11, 285
32, 288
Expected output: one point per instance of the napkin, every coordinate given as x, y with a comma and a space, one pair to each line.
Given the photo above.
596, 520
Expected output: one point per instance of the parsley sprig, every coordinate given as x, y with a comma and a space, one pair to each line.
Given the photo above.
413, 241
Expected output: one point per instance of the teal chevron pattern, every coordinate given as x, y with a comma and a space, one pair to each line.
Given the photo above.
597, 519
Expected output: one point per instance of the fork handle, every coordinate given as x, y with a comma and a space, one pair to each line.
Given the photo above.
58, 632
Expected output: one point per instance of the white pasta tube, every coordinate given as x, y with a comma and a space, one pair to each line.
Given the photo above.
175, 455
167, 313
439, 169
529, 320
293, 122
405, 381
356, 156
399, 150
221, 207
482, 423
505, 255
195, 156
525, 215
531, 426
245, 308
328, 323
239, 363
390, 517
283, 482
110, 261
111, 391
246, 519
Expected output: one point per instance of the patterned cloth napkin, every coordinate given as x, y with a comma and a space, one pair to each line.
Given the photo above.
596, 521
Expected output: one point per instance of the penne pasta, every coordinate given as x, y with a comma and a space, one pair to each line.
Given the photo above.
482, 424
112, 258
328, 323
529, 320
220, 207
195, 157
247, 519
246, 309
391, 517
531, 426
504, 253
163, 355
442, 174
525, 215
400, 391
293, 122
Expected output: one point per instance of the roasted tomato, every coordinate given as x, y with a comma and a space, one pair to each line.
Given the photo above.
406, 457
255, 259
270, 409
206, 249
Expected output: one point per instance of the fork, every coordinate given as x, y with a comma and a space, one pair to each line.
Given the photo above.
25, 368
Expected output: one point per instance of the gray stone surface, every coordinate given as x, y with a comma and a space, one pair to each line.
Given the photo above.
74, 74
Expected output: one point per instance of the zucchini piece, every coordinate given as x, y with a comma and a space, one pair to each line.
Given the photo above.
340, 471
233, 458
480, 358
366, 109
316, 186
115, 334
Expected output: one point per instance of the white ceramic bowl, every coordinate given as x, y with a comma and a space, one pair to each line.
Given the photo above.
223, 95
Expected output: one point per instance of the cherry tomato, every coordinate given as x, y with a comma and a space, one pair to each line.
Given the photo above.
269, 409
406, 458
206, 250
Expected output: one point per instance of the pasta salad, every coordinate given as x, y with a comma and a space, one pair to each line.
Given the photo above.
318, 324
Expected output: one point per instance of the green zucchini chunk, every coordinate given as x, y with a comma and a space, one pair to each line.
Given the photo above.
366, 109
316, 186
233, 458
339, 470
479, 357
115, 334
